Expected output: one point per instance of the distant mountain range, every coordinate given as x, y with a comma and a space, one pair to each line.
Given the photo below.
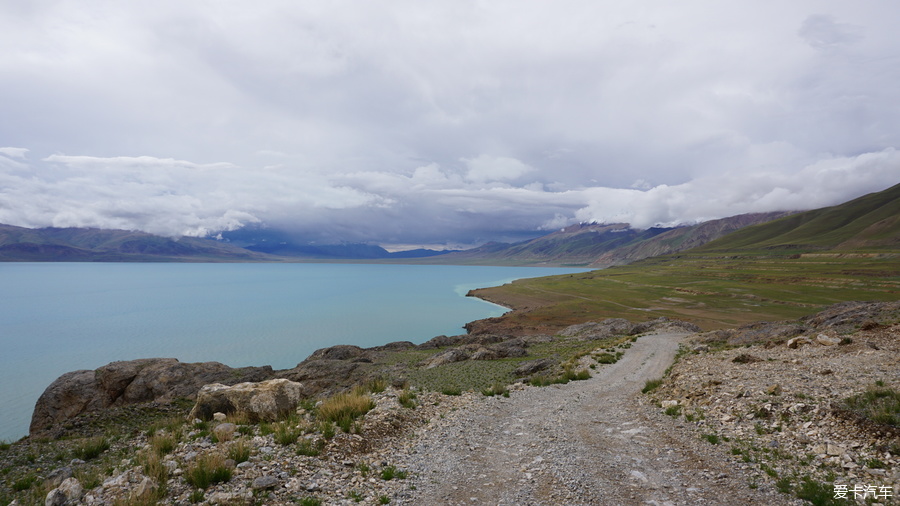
603, 245
871, 221
98, 245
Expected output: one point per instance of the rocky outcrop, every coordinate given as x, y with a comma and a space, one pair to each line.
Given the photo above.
599, 330
263, 401
446, 357
131, 382
848, 316
532, 366
833, 320
619, 326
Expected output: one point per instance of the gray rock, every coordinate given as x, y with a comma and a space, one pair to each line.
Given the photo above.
532, 366
339, 352
146, 488
263, 401
446, 357
796, 342
599, 330
825, 340
57, 476
225, 431
68, 492
441, 342
136, 381
264, 482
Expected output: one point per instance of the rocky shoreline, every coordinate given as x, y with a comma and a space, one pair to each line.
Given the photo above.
767, 398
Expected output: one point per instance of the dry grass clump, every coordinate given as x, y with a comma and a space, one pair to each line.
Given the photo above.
207, 470
344, 408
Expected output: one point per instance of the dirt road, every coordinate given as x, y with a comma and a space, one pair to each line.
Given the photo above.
587, 442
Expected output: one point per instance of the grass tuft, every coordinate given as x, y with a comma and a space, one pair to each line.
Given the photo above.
651, 385
407, 399
91, 448
208, 470
878, 405
239, 451
344, 408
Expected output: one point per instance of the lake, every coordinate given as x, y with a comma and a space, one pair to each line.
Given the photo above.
61, 317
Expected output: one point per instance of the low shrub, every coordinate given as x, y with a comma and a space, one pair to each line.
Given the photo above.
879, 405
496, 389
162, 444
286, 433
207, 470
239, 451
390, 472
344, 408
24, 483
407, 399
606, 358
91, 448
307, 448
651, 385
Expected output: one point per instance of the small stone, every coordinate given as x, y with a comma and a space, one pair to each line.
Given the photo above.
796, 342
57, 476
835, 450
225, 431
146, 488
219, 416
774, 389
825, 340
637, 475
264, 482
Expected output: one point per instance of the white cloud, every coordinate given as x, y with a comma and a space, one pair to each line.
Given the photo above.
410, 121
487, 168
14, 152
826, 182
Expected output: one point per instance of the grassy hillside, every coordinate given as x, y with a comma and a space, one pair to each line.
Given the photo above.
779, 270
871, 222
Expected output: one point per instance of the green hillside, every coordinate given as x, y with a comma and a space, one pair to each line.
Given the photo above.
784, 269
871, 222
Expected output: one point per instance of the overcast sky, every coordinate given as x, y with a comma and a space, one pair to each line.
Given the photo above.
447, 121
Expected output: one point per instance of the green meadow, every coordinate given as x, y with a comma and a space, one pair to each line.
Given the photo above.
709, 290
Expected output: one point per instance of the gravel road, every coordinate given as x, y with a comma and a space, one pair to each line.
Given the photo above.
588, 442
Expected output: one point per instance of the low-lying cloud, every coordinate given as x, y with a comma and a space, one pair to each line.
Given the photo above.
430, 205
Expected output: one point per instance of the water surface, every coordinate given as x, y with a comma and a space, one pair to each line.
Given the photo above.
60, 317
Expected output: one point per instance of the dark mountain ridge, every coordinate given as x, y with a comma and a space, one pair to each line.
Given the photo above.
101, 245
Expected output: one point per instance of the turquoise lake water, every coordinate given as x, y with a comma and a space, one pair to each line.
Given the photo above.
61, 317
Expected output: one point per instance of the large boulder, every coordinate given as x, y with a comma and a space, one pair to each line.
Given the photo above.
160, 380
445, 357
263, 401
599, 330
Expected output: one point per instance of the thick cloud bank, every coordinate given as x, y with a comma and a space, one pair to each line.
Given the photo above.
446, 121
431, 204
